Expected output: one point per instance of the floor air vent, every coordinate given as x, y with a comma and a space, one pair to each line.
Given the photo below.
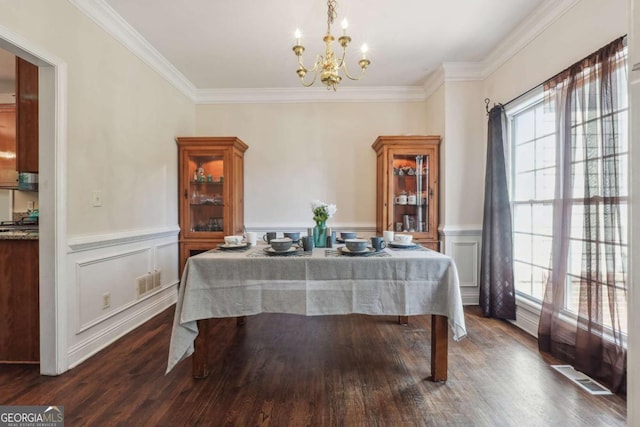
582, 380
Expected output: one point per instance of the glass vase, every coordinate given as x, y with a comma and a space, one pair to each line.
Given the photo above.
320, 235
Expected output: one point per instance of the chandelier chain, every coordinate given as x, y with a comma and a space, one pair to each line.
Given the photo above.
331, 13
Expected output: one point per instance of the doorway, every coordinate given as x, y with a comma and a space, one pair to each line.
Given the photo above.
52, 93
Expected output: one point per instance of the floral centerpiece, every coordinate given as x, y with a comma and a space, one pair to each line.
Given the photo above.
321, 213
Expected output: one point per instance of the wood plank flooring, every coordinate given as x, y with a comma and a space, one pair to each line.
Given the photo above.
287, 370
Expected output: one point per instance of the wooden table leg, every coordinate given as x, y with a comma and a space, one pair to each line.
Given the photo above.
201, 351
241, 320
439, 342
403, 320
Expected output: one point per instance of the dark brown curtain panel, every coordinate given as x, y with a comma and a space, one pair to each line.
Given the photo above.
584, 309
497, 293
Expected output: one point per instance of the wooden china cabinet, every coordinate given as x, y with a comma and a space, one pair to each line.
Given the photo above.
210, 192
407, 187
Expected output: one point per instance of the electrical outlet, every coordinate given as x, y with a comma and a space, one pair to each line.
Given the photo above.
106, 300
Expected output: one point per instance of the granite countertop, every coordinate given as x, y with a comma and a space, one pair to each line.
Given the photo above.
19, 235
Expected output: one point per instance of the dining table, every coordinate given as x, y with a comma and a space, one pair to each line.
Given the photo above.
245, 280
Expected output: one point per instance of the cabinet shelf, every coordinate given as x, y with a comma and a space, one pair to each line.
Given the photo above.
206, 183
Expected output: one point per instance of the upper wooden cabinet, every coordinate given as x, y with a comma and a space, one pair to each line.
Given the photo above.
26, 116
407, 186
8, 174
211, 192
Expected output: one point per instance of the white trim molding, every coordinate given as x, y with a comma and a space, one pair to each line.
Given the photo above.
527, 316
317, 94
159, 302
110, 21
462, 71
534, 25
96, 241
434, 80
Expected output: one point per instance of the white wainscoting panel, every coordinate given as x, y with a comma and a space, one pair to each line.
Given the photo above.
464, 244
111, 264
102, 276
166, 261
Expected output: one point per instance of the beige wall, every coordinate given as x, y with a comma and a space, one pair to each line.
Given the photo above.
585, 28
301, 152
463, 155
122, 120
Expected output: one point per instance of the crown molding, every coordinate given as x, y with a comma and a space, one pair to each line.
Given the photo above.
539, 20
109, 20
434, 80
462, 71
317, 94
535, 23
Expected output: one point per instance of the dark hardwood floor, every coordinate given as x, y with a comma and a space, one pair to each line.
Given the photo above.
287, 370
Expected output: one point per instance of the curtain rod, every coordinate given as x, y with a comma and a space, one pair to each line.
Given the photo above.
487, 100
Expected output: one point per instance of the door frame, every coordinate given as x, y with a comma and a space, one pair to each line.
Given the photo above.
52, 198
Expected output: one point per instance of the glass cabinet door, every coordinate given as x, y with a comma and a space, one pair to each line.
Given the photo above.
205, 192
410, 192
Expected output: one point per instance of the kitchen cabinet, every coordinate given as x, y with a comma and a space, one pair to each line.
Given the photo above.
407, 186
27, 116
8, 171
19, 301
210, 191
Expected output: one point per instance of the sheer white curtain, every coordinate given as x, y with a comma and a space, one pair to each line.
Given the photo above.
584, 307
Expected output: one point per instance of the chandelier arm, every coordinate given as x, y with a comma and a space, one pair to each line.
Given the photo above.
346, 72
315, 75
314, 70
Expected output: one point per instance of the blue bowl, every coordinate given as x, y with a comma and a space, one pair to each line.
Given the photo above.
344, 235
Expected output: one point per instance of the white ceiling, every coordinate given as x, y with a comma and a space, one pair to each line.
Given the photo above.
247, 43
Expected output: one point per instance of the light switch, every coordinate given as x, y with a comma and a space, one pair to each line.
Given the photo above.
96, 198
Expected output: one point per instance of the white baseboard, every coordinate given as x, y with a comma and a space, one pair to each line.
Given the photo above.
134, 318
527, 317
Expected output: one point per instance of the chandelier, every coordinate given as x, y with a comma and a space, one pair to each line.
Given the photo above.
329, 65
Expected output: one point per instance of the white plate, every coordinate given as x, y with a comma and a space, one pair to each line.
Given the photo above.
346, 251
232, 246
398, 244
273, 251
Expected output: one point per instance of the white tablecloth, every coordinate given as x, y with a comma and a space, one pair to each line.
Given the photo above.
228, 284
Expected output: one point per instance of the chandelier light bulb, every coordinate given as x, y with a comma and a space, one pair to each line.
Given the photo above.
364, 49
345, 25
297, 35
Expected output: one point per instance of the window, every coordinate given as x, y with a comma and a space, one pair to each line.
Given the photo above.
533, 166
